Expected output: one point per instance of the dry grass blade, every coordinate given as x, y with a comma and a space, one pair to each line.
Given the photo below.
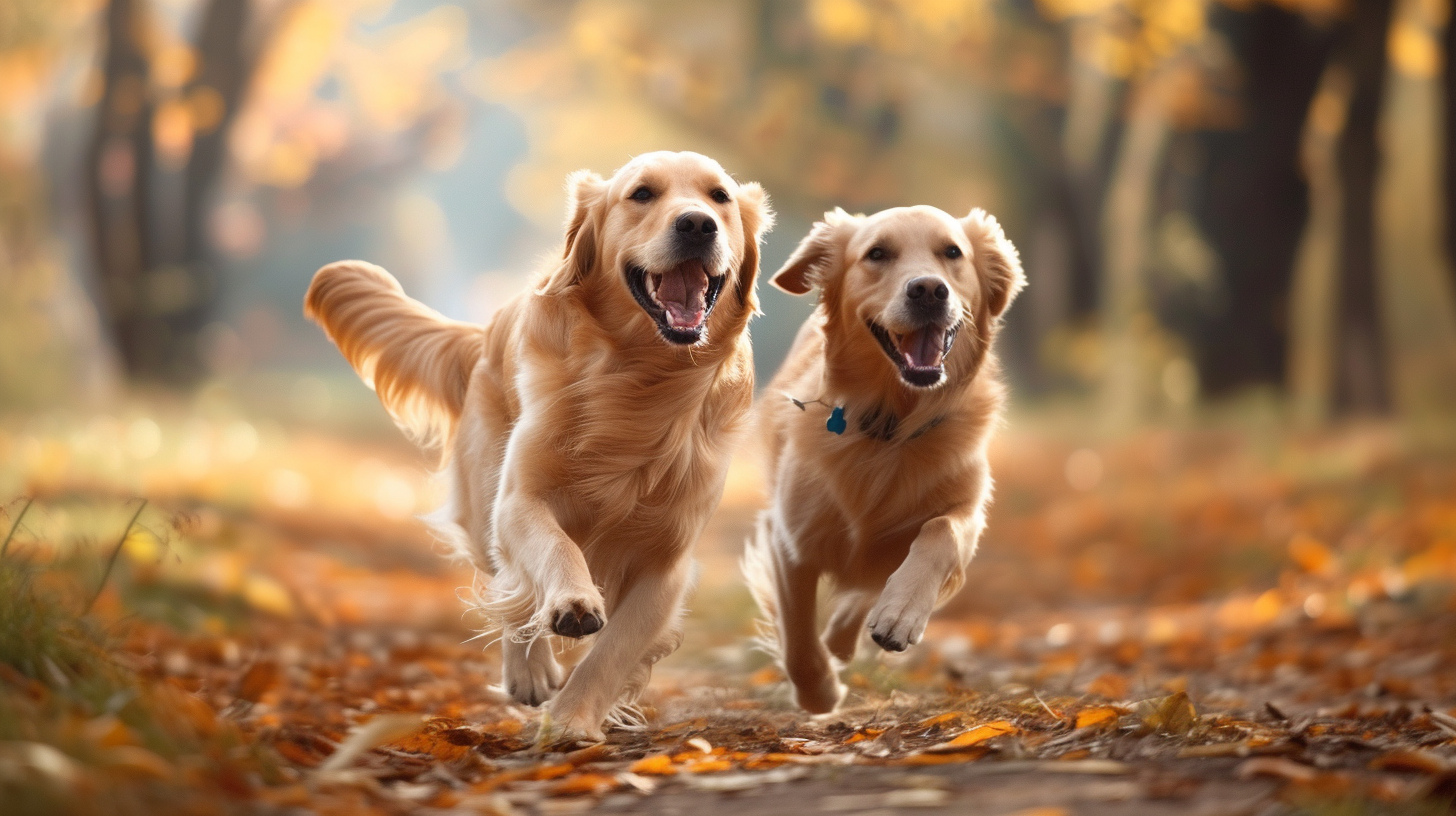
19, 517
377, 732
115, 553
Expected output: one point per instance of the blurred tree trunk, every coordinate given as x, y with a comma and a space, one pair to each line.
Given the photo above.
1125, 317
1256, 202
118, 169
1093, 99
1362, 375
1312, 308
1448, 140
158, 280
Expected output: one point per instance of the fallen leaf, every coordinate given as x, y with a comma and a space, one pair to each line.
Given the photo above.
1100, 715
587, 783
939, 719
1278, 767
257, 680
967, 755
655, 765
974, 736
1173, 714
1410, 760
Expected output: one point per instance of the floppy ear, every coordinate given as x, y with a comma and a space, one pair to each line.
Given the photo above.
585, 192
815, 253
996, 260
757, 218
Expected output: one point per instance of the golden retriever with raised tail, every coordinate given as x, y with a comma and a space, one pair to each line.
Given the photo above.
588, 426
876, 429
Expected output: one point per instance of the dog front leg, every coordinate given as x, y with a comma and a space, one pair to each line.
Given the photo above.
932, 571
643, 617
532, 543
806, 661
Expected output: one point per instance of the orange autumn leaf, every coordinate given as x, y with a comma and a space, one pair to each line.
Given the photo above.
587, 783
969, 755
592, 753
1088, 717
655, 765
973, 737
1311, 555
708, 766
949, 716
436, 745
259, 678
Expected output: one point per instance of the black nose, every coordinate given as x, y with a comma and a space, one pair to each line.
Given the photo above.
696, 226
926, 290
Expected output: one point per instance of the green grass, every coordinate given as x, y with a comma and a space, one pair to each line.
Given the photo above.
64, 699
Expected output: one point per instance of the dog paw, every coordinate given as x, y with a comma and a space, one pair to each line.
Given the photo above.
821, 696
532, 685
567, 729
897, 628
577, 619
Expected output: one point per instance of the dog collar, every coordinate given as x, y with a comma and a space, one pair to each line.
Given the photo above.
874, 424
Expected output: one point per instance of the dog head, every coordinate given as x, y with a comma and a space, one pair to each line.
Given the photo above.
904, 283
661, 243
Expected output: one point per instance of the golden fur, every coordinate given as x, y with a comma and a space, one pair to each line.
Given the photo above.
588, 438
891, 510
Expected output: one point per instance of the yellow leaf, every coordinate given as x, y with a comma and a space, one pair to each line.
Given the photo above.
1173, 714
266, 594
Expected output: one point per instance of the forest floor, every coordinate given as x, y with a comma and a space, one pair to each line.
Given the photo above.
1210, 621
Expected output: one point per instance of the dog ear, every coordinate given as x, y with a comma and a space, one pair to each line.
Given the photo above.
757, 217
995, 258
585, 192
815, 253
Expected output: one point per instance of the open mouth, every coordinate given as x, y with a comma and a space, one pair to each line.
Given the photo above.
918, 354
678, 300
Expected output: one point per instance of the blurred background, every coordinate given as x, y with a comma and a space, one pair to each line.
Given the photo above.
1219, 203
1229, 465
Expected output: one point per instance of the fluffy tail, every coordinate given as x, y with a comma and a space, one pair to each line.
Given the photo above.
418, 361
761, 575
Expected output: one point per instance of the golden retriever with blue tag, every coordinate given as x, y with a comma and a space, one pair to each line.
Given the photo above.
876, 428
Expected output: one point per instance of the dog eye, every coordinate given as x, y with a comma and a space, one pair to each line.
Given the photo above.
876, 254
952, 251
642, 194
720, 196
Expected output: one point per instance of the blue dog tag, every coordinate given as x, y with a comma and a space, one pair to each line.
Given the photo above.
836, 423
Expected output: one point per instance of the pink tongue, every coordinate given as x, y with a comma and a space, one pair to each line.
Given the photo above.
923, 348
683, 293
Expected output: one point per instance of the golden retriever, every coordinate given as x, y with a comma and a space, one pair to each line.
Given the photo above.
877, 456
588, 426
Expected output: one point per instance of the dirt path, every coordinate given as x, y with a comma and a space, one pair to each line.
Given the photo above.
1212, 628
